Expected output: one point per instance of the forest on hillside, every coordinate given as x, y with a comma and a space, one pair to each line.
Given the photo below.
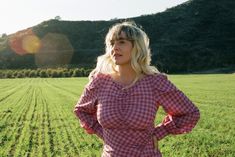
194, 36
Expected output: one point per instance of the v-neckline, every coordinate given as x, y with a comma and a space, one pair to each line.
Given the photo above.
122, 86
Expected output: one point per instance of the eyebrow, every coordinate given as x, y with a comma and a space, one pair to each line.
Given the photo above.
121, 38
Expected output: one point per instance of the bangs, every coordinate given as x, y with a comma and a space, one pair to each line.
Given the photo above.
115, 34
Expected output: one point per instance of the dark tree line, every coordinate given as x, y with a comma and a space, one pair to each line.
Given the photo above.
44, 73
194, 36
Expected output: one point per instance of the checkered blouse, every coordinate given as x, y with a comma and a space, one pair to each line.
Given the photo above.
124, 118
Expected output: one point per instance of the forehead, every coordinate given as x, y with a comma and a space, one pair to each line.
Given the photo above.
119, 36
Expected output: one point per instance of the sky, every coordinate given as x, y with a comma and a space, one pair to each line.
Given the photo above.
16, 15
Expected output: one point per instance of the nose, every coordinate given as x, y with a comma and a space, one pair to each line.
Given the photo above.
115, 46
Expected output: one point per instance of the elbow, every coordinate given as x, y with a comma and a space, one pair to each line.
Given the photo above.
191, 121
195, 116
184, 124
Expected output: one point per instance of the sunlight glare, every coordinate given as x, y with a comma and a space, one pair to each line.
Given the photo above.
24, 42
56, 50
31, 44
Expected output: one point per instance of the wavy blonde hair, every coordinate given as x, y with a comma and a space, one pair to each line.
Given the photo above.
140, 55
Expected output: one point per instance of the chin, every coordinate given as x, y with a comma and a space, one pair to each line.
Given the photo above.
120, 62
117, 63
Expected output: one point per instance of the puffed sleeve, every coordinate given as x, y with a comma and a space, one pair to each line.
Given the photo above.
86, 109
182, 114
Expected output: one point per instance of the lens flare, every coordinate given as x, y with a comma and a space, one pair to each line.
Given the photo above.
56, 50
31, 44
15, 44
24, 42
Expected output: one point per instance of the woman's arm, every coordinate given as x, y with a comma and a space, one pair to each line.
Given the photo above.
86, 109
182, 114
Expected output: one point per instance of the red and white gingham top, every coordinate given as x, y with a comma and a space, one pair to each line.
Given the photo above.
124, 119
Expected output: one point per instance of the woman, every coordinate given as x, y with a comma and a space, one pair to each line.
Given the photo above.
120, 102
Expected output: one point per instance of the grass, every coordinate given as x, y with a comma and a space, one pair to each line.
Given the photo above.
37, 118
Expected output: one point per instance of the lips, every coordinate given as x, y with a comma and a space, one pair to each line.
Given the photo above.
117, 56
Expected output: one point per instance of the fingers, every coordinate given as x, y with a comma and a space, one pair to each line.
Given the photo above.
155, 142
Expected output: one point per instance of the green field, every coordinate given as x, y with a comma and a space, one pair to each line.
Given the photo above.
37, 118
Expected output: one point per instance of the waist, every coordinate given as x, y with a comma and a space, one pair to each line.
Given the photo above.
127, 138
115, 149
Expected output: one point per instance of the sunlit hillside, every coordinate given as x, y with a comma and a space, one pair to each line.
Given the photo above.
197, 35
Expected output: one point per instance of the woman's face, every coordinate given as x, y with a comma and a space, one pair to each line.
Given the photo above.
121, 50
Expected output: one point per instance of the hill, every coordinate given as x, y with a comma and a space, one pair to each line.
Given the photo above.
194, 36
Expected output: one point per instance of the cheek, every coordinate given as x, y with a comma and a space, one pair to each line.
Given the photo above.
129, 56
130, 53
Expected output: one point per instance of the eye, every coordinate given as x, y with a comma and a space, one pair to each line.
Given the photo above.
121, 41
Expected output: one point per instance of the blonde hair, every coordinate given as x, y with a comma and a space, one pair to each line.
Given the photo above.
140, 55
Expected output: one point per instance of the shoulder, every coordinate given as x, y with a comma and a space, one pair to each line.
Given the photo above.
95, 81
158, 78
161, 82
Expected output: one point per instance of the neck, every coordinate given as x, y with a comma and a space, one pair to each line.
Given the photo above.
125, 71
124, 74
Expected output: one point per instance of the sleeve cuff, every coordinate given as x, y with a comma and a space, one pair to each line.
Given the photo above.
160, 132
98, 130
